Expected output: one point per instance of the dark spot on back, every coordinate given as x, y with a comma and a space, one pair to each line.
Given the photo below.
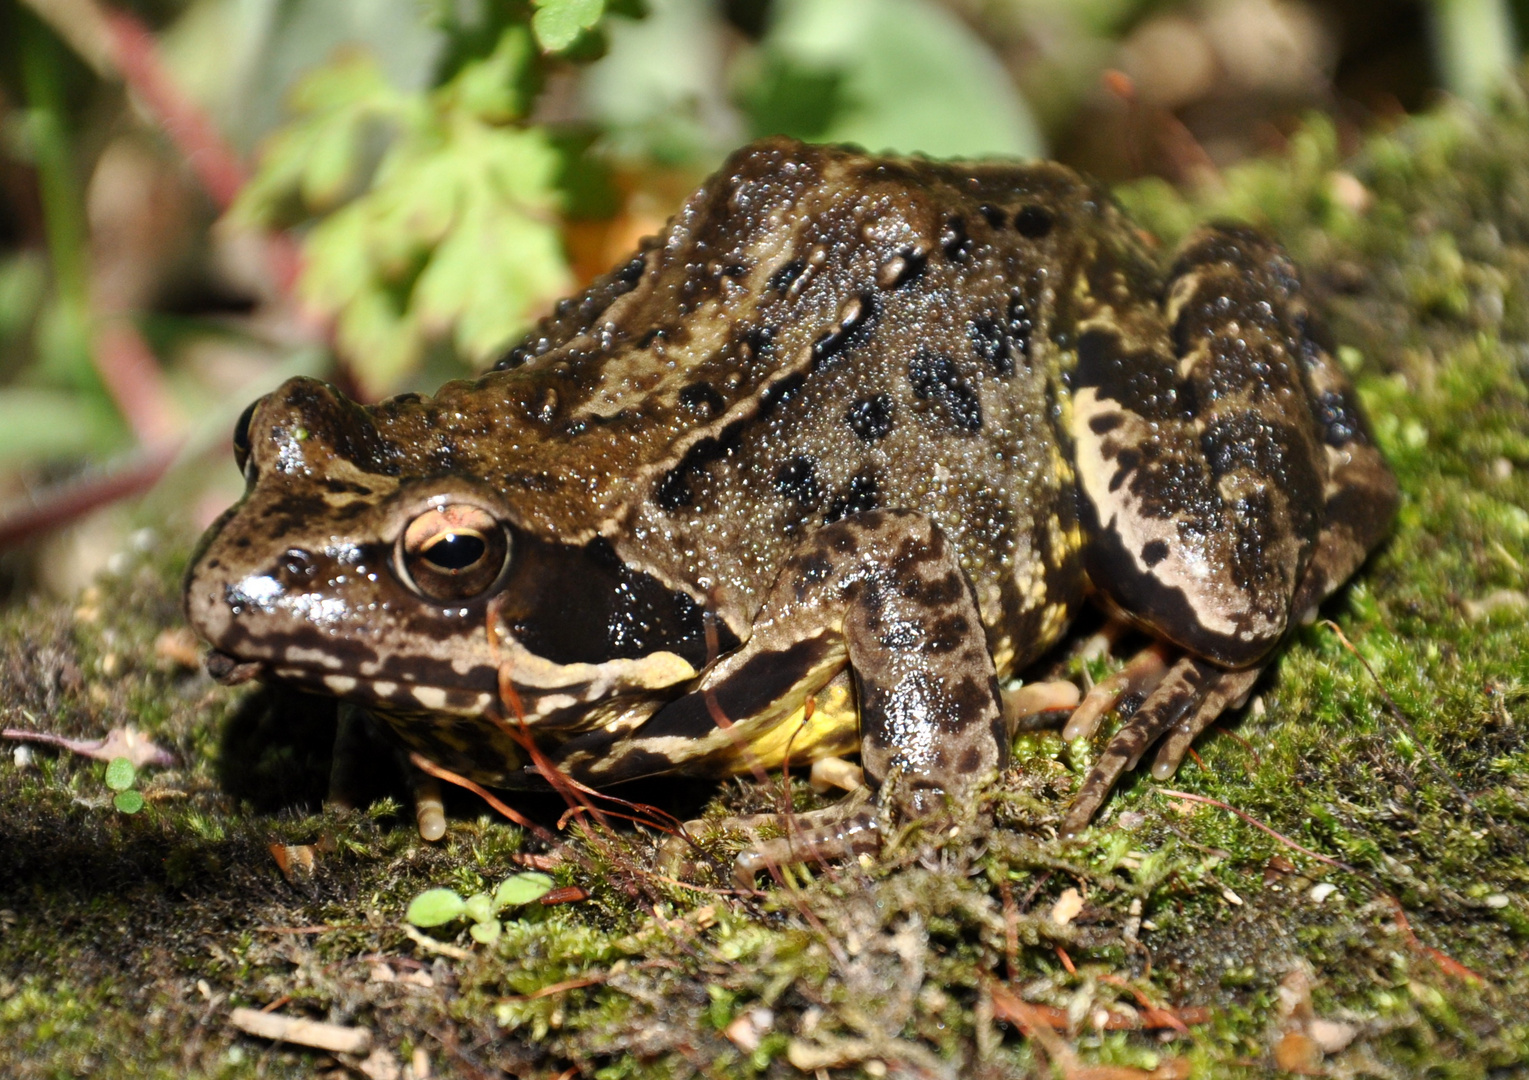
1103, 425
780, 391
871, 418
991, 344
759, 340
914, 261
994, 214
954, 241
702, 399
1033, 222
1154, 552
971, 760
934, 376
852, 331
631, 273
1021, 326
1125, 464
673, 491
798, 479
863, 494
786, 276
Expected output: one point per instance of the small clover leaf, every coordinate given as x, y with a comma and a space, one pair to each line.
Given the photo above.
521, 889
128, 802
120, 774
434, 907
479, 907
486, 932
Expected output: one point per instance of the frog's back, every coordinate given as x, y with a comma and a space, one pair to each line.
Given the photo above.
820, 333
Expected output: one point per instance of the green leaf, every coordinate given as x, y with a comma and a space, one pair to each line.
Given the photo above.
496, 89
521, 889
434, 907
129, 802
479, 907
486, 932
896, 75
120, 774
558, 23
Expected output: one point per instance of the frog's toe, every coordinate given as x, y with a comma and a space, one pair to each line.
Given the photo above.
809, 838
830, 835
429, 806
1187, 699
1142, 675
1228, 692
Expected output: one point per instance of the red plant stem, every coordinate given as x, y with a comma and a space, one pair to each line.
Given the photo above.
210, 156
134, 380
66, 502
1251, 820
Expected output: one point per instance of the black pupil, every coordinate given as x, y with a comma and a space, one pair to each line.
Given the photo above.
455, 551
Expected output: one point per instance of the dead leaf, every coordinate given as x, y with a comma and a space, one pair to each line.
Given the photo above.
127, 742
1067, 907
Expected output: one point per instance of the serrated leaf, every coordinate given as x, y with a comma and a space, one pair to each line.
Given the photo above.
486, 932
120, 774
558, 23
128, 802
434, 907
521, 889
495, 89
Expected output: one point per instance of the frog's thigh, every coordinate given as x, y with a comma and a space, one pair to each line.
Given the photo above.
1198, 463
887, 588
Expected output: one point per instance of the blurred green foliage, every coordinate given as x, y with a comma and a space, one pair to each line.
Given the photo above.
429, 155
449, 231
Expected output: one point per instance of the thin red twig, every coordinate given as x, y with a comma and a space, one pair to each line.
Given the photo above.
1450, 965
1251, 820
58, 505
210, 156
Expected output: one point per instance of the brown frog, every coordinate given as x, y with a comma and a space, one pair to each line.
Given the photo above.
820, 468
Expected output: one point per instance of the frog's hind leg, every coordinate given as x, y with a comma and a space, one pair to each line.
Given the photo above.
1227, 481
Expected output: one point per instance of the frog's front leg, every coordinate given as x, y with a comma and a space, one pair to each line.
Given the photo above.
1228, 480
883, 591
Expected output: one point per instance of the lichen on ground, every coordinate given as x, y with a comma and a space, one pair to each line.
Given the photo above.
125, 940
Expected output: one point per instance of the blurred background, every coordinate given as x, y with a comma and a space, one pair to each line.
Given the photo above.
200, 198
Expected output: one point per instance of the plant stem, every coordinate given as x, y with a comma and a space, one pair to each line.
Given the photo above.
1475, 47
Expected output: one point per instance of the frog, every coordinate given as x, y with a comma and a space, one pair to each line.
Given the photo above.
823, 467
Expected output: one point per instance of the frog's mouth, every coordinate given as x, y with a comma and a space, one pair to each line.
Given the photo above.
230, 670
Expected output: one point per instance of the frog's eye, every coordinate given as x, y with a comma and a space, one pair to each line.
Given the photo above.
452, 552
242, 434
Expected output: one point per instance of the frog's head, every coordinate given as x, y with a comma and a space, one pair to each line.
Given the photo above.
375, 545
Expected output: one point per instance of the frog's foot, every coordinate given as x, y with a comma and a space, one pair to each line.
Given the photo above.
831, 835
1142, 674
1184, 700
357, 744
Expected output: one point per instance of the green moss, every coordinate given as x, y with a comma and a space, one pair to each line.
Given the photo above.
142, 932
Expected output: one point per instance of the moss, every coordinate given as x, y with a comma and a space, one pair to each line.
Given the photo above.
124, 941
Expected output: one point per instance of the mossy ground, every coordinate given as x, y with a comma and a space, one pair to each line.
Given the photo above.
126, 940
